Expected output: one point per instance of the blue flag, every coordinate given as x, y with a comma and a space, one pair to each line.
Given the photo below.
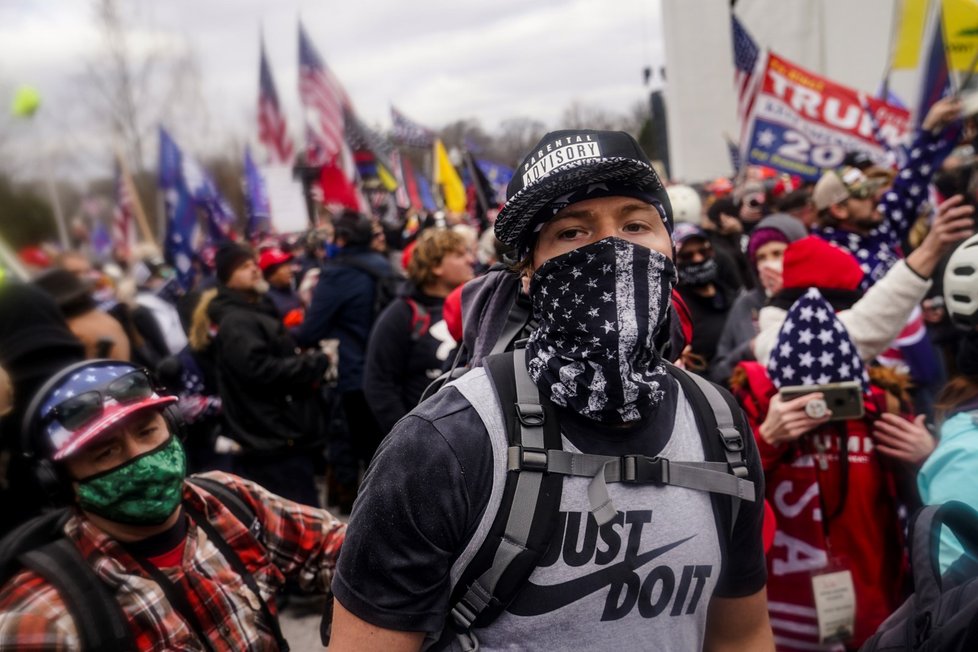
424, 190
256, 199
498, 175
181, 215
935, 78
220, 217
101, 241
936, 82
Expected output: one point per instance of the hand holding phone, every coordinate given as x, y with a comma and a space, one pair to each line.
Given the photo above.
842, 401
787, 420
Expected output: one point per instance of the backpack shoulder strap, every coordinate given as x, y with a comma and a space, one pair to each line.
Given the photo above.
100, 620
232, 501
249, 519
522, 528
721, 437
516, 320
28, 536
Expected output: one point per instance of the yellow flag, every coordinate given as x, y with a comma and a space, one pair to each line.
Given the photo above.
387, 179
960, 32
447, 177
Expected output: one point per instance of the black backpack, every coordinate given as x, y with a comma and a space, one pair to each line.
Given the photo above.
942, 614
39, 545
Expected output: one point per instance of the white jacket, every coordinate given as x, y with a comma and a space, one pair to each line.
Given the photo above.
873, 322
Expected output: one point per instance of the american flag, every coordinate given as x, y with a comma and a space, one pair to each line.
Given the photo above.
401, 195
746, 54
362, 138
272, 130
123, 215
735, 159
409, 132
325, 104
324, 101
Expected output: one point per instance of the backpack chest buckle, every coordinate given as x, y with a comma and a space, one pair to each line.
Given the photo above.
640, 469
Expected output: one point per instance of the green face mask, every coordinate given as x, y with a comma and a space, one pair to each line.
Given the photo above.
143, 491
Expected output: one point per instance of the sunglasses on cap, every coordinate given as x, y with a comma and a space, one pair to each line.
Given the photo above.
75, 412
858, 186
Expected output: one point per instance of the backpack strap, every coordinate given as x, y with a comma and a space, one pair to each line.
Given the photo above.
714, 415
243, 512
232, 501
516, 320
100, 620
28, 536
524, 524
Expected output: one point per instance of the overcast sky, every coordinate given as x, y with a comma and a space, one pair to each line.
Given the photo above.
436, 60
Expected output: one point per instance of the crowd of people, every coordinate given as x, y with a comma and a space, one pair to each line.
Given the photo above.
517, 414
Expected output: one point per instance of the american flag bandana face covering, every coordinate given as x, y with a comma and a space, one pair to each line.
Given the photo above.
599, 308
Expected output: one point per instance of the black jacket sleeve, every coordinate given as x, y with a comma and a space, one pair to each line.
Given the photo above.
248, 356
388, 354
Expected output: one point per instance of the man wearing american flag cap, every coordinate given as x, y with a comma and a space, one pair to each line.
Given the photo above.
184, 564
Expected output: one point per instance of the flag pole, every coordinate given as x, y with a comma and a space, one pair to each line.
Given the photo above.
895, 26
148, 235
970, 74
11, 262
59, 215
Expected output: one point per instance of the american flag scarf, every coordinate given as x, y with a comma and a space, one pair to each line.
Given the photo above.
599, 308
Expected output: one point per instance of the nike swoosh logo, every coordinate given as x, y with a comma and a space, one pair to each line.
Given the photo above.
535, 600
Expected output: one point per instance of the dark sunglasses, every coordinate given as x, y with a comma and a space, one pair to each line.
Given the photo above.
76, 411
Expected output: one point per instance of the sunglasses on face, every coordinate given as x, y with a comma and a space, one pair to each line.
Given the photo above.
79, 410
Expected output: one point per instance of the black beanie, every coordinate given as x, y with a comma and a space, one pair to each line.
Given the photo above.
229, 257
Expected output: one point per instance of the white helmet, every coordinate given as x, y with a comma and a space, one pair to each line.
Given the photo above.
961, 284
686, 204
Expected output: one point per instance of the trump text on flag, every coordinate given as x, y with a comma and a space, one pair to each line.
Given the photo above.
804, 124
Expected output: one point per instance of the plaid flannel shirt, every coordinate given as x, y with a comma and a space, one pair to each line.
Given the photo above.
296, 541
880, 249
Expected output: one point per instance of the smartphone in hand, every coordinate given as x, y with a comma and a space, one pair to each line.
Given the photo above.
844, 399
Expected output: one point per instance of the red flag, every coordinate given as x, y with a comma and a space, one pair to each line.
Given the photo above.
336, 188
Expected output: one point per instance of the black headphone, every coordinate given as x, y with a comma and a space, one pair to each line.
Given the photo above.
50, 476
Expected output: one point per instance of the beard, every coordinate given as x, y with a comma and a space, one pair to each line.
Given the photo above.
869, 222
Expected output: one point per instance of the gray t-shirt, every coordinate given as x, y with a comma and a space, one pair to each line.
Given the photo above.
648, 573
